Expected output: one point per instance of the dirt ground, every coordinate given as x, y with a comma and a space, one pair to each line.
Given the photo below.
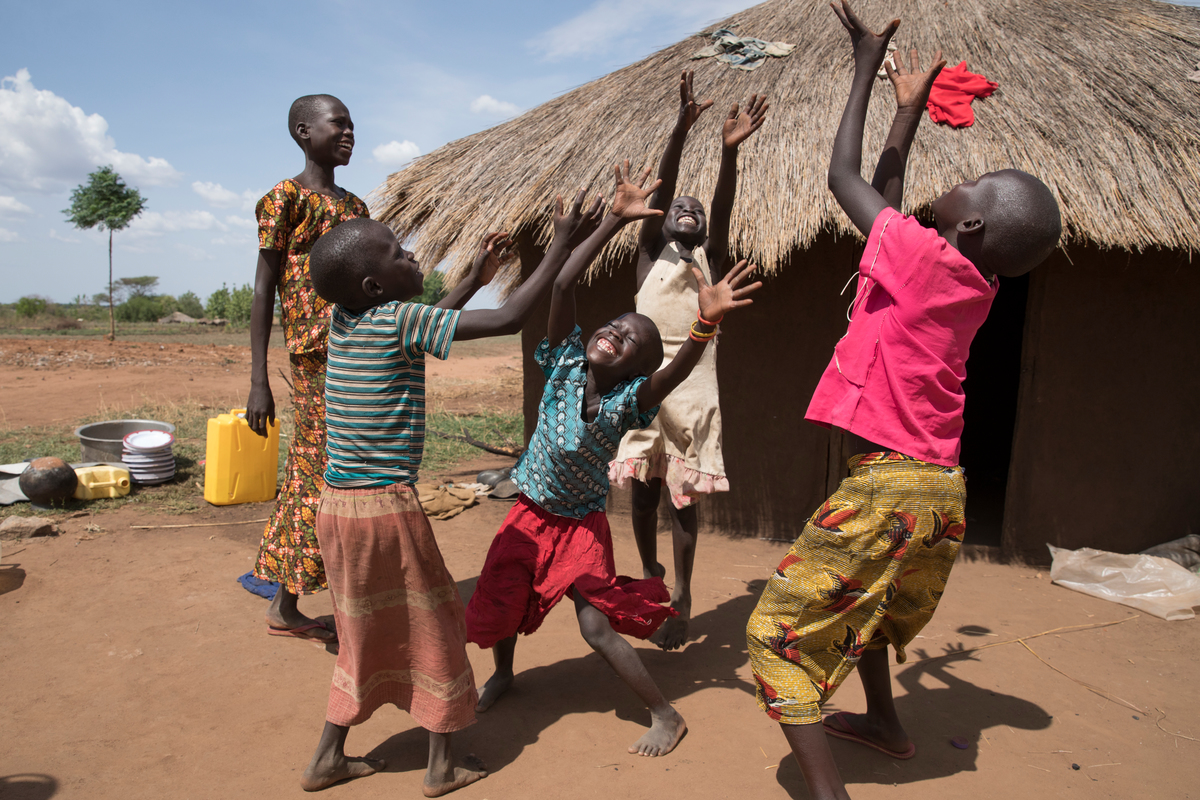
134, 665
55, 379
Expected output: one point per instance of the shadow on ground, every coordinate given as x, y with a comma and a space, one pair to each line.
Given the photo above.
543, 695
28, 786
932, 716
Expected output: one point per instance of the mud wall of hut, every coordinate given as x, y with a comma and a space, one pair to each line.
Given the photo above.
1109, 415
1107, 407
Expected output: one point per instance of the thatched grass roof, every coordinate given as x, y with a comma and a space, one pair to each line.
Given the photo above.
1093, 98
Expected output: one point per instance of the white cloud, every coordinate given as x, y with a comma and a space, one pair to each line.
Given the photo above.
486, 104
246, 223
58, 237
156, 223
11, 205
610, 22
396, 154
196, 253
8, 236
217, 195
48, 145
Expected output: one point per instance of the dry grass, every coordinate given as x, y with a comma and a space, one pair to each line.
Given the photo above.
1093, 98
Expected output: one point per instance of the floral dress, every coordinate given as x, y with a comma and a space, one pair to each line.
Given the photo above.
290, 220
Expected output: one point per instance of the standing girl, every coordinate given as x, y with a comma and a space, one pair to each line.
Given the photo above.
291, 217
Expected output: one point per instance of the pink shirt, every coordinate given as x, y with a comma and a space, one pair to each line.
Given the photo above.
896, 376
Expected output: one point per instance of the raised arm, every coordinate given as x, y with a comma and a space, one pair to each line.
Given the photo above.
912, 92
260, 403
511, 316
483, 269
740, 123
628, 205
714, 303
668, 165
861, 202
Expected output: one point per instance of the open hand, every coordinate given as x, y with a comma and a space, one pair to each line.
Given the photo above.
869, 48
629, 199
728, 293
576, 224
912, 86
689, 109
742, 122
487, 260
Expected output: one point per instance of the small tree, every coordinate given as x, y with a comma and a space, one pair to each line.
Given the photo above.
189, 304
143, 286
105, 201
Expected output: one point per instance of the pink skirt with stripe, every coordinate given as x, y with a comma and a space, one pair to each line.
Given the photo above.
401, 633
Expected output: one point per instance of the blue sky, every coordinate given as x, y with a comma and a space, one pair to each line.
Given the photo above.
189, 103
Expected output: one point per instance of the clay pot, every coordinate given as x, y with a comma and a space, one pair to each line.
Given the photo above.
48, 479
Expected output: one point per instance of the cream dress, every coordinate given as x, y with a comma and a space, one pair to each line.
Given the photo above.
683, 446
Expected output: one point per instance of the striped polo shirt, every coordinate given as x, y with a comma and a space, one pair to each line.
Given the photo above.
375, 391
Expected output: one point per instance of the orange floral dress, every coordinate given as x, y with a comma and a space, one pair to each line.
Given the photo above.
290, 220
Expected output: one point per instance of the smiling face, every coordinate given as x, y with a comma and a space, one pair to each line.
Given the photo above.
327, 135
394, 273
626, 347
685, 222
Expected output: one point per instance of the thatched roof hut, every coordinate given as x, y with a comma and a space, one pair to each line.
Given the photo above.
1094, 98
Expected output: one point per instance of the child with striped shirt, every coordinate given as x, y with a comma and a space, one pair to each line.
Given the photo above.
397, 609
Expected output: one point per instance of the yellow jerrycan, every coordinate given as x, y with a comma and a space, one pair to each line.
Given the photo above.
101, 481
240, 466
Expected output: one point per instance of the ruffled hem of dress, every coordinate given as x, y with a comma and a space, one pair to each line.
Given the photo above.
685, 484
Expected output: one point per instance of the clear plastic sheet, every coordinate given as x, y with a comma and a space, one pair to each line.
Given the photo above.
1155, 585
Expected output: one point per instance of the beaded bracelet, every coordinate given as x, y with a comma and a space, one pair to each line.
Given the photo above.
703, 321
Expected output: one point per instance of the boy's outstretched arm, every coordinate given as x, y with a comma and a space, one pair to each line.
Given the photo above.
739, 125
668, 165
861, 202
483, 269
511, 316
912, 92
715, 302
628, 205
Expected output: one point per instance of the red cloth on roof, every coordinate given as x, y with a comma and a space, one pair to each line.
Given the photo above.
953, 90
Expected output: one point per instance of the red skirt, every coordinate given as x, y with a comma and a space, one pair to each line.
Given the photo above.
536, 559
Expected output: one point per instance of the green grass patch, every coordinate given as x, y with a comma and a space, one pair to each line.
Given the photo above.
185, 492
494, 427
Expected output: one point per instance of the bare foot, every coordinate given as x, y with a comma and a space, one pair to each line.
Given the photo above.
473, 770
659, 571
665, 732
322, 774
673, 633
496, 685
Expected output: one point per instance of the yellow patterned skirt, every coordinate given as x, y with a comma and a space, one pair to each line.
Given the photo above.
867, 571
289, 553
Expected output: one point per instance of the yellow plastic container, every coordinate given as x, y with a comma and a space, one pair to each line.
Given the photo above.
240, 466
101, 481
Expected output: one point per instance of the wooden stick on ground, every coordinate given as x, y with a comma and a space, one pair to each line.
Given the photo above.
197, 525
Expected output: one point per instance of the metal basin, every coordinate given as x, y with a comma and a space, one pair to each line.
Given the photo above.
103, 441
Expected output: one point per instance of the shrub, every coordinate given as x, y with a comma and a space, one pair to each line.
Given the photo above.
139, 308
218, 303
30, 306
240, 302
189, 304
434, 289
